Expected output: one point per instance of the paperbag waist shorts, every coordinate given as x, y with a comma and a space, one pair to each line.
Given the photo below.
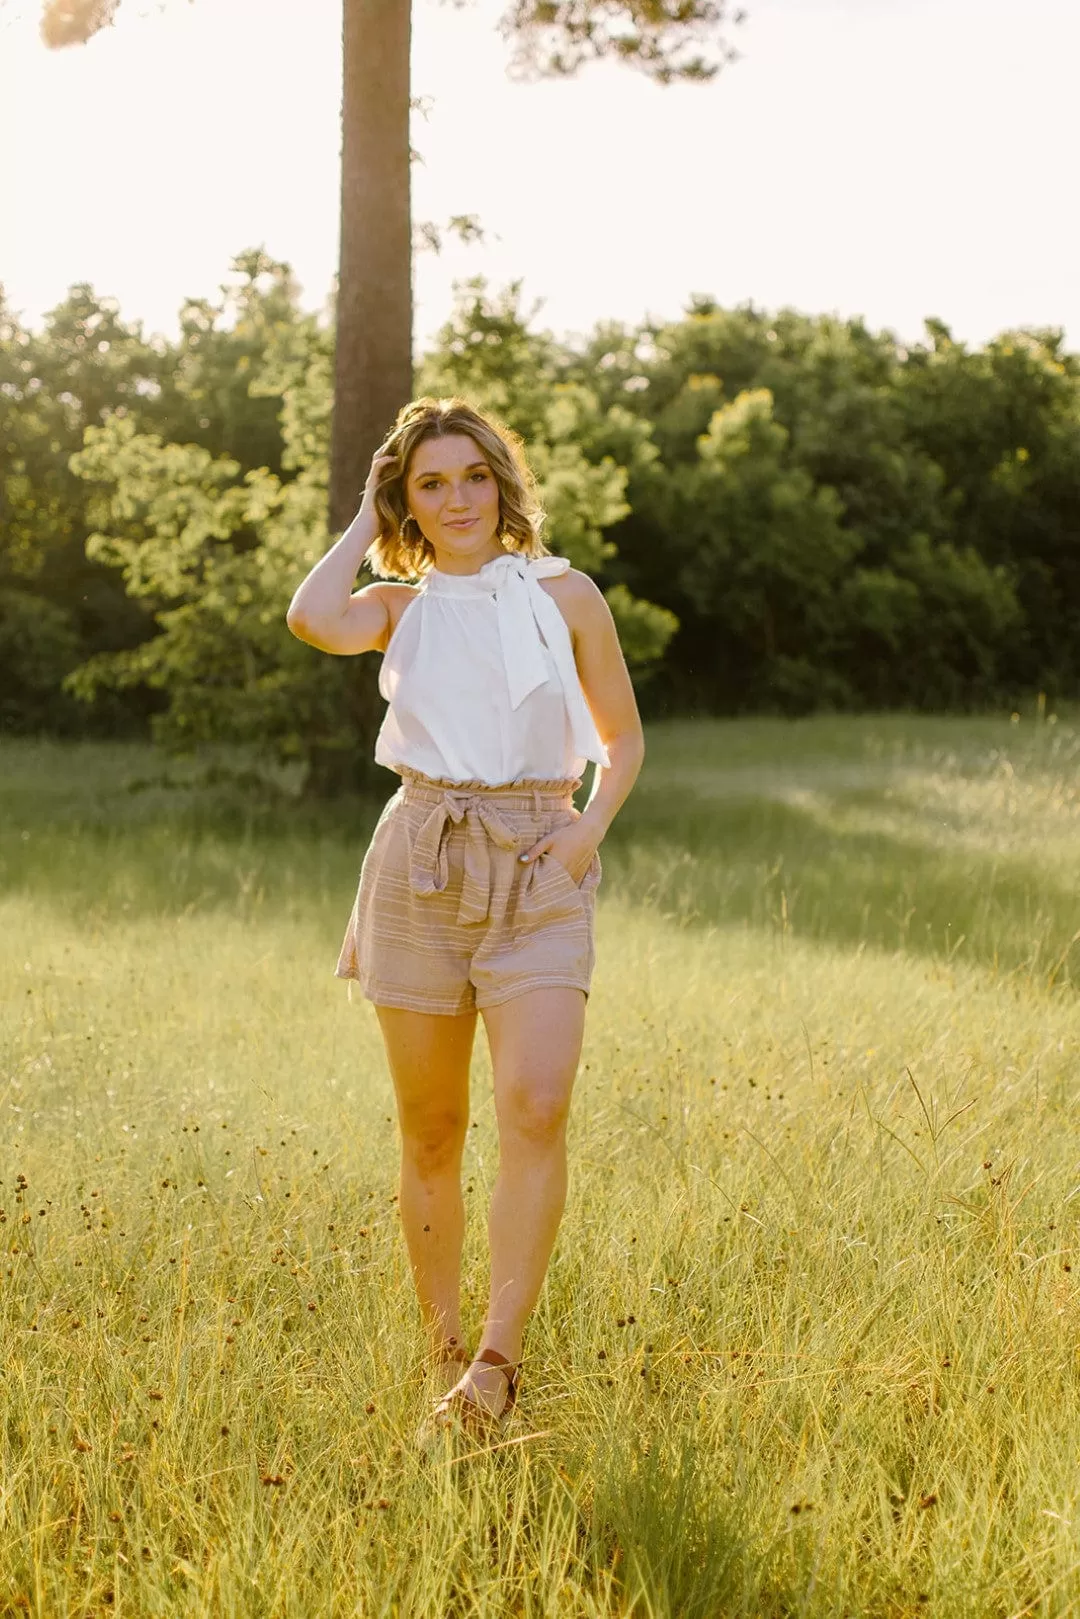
447, 919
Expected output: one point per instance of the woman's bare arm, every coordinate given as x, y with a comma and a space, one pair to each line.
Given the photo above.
325, 612
609, 693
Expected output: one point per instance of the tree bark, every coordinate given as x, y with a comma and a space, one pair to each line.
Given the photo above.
373, 356
373, 319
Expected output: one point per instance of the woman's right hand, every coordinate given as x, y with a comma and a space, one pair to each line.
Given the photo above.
379, 465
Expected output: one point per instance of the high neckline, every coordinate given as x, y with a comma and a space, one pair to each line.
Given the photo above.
484, 580
446, 574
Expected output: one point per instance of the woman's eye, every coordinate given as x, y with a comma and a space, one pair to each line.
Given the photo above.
433, 484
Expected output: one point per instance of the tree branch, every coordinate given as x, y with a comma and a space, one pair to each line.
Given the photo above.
554, 38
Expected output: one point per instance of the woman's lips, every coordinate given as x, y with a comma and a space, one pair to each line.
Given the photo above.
465, 523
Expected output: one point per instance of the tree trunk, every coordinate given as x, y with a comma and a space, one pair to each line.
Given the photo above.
373, 348
373, 359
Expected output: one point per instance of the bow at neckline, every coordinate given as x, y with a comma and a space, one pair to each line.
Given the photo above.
524, 612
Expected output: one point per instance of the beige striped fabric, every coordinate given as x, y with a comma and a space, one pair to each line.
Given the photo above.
447, 919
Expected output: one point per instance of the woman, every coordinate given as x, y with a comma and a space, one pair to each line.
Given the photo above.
503, 674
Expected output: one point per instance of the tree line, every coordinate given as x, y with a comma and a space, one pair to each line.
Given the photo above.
785, 512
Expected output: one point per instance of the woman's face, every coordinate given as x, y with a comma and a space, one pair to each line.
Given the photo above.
452, 492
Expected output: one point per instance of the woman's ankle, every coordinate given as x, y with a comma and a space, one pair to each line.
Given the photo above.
441, 1342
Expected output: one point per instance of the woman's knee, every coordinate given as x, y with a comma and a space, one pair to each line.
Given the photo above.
433, 1140
429, 1059
533, 1111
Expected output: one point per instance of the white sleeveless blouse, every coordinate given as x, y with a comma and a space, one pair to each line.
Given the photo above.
481, 682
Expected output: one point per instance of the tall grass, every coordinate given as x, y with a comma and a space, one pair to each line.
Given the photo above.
810, 1339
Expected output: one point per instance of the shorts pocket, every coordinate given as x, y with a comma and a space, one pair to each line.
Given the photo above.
549, 892
552, 887
594, 870
591, 880
593, 873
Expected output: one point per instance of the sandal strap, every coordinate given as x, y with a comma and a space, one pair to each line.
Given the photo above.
492, 1357
473, 1412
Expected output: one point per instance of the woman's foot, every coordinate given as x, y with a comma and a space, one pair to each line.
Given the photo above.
483, 1395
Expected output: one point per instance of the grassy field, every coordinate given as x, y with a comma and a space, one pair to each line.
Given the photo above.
810, 1340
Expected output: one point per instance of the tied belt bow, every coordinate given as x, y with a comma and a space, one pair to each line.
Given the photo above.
428, 868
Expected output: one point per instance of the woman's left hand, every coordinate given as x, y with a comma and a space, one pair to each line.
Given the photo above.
572, 846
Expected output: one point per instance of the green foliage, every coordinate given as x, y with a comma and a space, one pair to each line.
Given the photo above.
644, 631
186, 420
213, 394
38, 647
783, 512
1003, 424
830, 561
56, 605
216, 552
934, 625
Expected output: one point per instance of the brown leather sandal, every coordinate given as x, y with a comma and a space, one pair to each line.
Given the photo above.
474, 1416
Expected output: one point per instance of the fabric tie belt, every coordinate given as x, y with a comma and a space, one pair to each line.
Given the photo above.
428, 865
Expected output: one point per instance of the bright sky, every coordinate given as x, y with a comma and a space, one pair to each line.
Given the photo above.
885, 158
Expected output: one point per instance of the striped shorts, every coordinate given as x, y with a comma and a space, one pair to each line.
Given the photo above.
447, 919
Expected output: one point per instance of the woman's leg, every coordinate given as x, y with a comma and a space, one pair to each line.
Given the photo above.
429, 1057
535, 1042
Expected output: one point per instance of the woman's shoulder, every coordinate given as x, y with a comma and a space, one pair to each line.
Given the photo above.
559, 579
573, 593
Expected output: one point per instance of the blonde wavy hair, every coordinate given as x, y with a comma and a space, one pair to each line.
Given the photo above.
401, 551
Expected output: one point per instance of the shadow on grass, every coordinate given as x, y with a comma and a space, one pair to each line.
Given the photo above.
790, 870
82, 834
681, 1547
